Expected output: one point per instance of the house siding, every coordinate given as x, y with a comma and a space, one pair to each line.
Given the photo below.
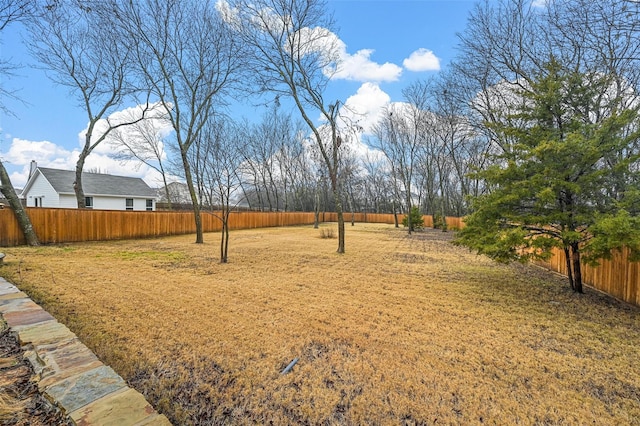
68, 201
42, 190
117, 203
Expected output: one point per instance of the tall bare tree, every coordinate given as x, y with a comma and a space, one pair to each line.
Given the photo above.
294, 53
188, 59
12, 11
76, 41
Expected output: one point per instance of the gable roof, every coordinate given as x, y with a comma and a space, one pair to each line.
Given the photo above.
97, 183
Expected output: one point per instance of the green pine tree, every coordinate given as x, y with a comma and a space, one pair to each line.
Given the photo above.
568, 180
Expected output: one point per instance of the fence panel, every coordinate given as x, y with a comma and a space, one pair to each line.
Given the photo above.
617, 277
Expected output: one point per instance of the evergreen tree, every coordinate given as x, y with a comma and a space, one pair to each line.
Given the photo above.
568, 180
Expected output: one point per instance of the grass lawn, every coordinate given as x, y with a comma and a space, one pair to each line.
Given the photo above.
399, 330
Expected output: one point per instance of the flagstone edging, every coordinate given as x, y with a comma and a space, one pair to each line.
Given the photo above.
70, 375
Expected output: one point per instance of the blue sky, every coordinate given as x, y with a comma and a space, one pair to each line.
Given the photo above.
378, 36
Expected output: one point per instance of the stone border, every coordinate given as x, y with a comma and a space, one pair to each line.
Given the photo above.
70, 375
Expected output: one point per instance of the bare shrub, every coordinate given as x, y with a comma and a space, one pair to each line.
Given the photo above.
326, 233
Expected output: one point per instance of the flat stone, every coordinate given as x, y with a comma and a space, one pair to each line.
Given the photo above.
63, 360
15, 305
77, 391
126, 408
28, 317
43, 333
6, 287
155, 420
6, 298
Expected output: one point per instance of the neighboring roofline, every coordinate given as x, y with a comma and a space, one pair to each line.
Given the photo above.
33, 177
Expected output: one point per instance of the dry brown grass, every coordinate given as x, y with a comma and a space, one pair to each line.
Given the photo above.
399, 330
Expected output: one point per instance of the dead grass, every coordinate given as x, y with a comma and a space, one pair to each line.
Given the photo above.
398, 330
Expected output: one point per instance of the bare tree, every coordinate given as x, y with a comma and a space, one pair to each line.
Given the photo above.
187, 58
76, 42
400, 136
12, 11
144, 141
293, 55
219, 148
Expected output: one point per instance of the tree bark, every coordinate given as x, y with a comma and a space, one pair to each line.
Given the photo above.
77, 185
567, 257
224, 240
395, 215
409, 221
9, 193
316, 210
577, 271
194, 199
338, 202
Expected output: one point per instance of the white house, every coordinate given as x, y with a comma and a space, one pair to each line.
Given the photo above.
54, 188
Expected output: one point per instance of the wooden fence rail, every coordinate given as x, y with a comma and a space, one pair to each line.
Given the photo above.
617, 277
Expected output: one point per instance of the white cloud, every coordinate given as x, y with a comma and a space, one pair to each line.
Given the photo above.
48, 154
359, 67
338, 63
155, 111
22, 151
365, 107
422, 60
103, 157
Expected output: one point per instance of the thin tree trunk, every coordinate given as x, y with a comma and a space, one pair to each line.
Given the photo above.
21, 215
577, 271
395, 214
224, 238
194, 199
338, 202
353, 215
567, 257
409, 221
316, 211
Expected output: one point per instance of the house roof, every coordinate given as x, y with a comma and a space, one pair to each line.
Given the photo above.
97, 183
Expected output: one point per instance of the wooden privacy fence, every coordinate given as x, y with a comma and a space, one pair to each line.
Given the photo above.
617, 277
74, 225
